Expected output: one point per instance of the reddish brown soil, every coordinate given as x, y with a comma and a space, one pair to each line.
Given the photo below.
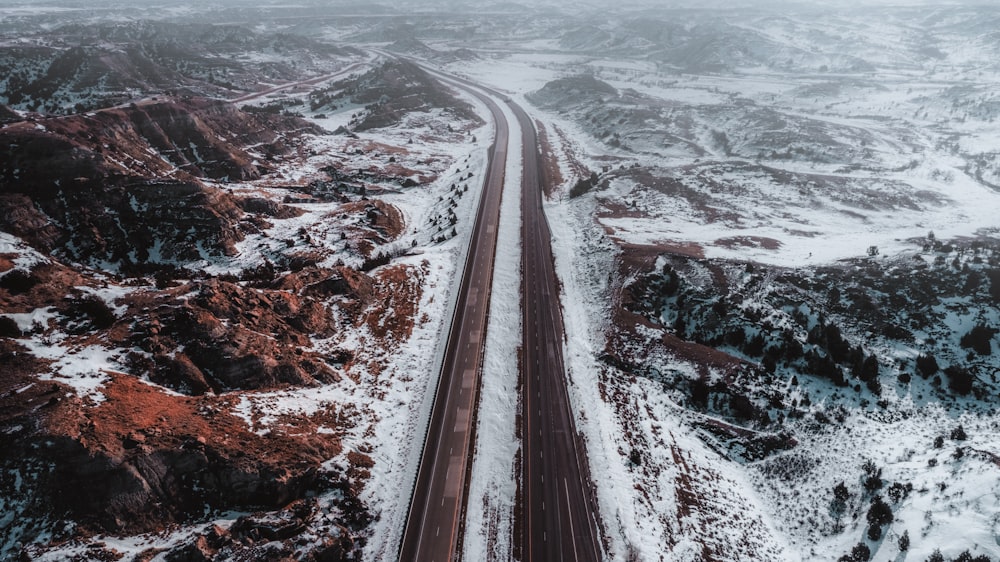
133, 409
749, 242
612, 209
6, 262
139, 439
52, 285
576, 168
689, 501
636, 260
396, 293
550, 162
369, 146
383, 223
639, 258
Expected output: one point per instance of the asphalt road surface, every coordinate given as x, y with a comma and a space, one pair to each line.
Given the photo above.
437, 510
558, 508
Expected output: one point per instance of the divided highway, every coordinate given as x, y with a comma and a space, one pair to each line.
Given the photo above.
558, 509
437, 510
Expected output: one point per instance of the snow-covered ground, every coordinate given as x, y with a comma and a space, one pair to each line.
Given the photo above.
393, 402
385, 397
884, 153
685, 499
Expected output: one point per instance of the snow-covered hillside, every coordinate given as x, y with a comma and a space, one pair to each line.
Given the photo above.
782, 230
776, 236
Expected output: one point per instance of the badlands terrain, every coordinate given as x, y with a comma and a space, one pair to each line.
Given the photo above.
231, 237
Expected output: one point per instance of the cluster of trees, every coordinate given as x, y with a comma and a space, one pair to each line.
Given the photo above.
9, 328
90, 312
964, 556
450, 218
377, 260
324, 98
583, 185
277, 107
866, 296
960, 379
829, 356
979, 339
879, 513
17, 281
709, 320
838, 353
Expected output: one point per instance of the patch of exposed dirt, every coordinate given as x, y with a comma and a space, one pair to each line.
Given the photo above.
397, 290
748, 242
550, 162
637, 258
612, 209
576, 167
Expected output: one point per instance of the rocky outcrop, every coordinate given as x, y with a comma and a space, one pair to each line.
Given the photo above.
140, 457
268, 536
8, 115
571, 91
156, 138
122, 185
143, 458
392, 90
217, 336
125, 224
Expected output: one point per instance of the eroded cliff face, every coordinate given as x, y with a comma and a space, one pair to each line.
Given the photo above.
143, 460
124, 185
156, 436
164, 441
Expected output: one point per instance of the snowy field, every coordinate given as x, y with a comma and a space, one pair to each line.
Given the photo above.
921, 171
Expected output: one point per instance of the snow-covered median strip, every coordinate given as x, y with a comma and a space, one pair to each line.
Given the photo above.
492, 489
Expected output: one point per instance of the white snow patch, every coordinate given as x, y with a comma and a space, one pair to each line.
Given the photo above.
82, 368
28, 321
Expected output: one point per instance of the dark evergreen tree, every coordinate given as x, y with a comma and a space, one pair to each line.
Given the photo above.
927, 365
879, 513
904, 541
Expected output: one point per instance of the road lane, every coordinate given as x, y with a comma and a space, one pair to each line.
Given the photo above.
437, 509
558, 509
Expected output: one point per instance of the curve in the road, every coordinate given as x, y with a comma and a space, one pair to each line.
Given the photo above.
558, 508
437, 509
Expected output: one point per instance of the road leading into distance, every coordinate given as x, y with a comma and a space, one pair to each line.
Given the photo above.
558, 508
437, 511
